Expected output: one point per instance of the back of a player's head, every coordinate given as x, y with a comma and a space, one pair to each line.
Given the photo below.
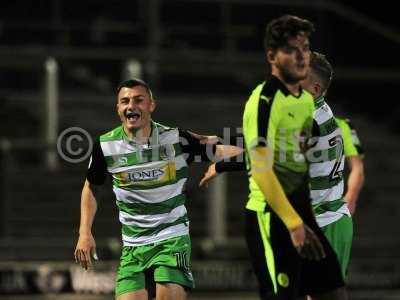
321, 68
131, 83
280, 30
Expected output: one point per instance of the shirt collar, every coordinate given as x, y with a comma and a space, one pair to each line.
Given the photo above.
153, 139
278, 84
319, 101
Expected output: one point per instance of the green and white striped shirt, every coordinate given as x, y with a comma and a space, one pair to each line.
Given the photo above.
326, 164
148, 181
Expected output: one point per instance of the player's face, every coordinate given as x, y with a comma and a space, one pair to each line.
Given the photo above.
312, 84
134, 107
292, 61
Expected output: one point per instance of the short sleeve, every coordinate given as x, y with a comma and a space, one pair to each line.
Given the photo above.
97, 170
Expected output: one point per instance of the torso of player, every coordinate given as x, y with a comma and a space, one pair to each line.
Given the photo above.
289, 124
148, 182
325, 156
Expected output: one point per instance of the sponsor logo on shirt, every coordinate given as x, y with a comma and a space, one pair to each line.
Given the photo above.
162, 172
123, 161
146, 175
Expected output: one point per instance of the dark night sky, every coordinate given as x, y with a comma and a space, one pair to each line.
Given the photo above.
347, 43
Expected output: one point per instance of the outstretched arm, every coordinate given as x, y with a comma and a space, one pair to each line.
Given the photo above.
222, 151
208, 148
227, 151
235, 163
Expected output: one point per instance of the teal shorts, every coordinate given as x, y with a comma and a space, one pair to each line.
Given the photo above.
170, 260
340, 236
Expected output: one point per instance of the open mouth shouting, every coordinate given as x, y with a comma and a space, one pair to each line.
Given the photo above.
132, 116
301, 66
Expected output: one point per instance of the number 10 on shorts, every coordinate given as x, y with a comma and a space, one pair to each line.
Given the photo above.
181, 260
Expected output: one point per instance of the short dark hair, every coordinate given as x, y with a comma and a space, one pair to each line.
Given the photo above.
321, 67
278, 31
131, 83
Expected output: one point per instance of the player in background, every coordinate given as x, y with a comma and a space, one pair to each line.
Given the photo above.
277, 118
325, 153
331, 208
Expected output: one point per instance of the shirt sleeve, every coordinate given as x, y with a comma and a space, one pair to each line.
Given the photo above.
97, 170
255, 123
194, 150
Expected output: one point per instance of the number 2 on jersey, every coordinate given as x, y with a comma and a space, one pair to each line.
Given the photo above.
337, 141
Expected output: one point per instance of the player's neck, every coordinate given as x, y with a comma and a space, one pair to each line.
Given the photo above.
139, 135
293, 87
